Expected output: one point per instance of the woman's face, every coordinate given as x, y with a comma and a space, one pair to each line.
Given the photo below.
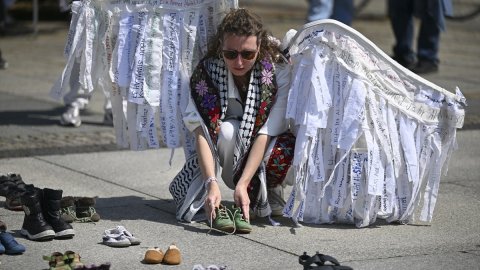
239, 53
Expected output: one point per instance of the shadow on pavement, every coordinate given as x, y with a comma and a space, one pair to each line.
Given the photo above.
31, 117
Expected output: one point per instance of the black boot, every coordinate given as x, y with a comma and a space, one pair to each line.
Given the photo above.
34, 225
53, 215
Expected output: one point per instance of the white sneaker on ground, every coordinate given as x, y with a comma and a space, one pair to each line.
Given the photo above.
71, 116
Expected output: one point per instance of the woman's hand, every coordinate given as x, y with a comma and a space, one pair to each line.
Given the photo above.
240, 196
214, 197
253, 162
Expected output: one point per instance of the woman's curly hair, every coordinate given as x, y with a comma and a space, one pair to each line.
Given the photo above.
242, 22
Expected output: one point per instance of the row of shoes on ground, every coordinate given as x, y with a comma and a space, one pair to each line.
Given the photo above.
43, 219
8, 244
155, 256
119, 237
230, 221
74, 209
70, 260
12, 187
79, 209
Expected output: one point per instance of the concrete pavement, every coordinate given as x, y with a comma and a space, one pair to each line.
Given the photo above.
132, 187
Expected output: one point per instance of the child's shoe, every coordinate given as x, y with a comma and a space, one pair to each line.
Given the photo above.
172, 255
241, 224
223, 221
10, 244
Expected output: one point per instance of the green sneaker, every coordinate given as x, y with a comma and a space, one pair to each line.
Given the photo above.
241, 224
223, 222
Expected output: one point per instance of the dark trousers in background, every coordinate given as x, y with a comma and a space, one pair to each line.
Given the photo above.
430, 13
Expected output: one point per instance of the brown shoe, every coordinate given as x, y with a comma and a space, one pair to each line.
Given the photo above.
172, 255
13, 199
67, 205
153, 256
85, 211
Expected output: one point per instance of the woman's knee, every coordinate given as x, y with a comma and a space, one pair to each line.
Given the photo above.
228, 129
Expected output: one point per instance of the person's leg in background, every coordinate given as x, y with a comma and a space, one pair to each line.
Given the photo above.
427, 46
319, 9
432, 16
7, 19
3, 13
108, 114
343, 11
3, 62
78, 99
75, 101
401, 19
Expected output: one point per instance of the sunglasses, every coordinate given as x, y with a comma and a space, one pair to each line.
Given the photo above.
232, 54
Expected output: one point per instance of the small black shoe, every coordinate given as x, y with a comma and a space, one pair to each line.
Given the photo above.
408, 62
425, 66
9, 182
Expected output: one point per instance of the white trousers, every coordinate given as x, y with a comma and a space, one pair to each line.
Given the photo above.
226, 146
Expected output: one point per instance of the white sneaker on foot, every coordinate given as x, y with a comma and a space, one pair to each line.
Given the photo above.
71, 116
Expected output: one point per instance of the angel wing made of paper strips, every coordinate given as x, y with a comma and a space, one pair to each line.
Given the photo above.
141, 54
373, 138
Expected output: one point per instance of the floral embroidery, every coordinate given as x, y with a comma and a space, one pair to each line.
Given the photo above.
280, 159
201, 88
266, 64
268, 92
263, 105
214, 114
209, 101
267, 77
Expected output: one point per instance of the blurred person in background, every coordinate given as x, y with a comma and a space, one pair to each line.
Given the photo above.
431, 14
3, 62
340, 10
5, 18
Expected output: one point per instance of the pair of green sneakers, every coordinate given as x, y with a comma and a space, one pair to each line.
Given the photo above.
230, 221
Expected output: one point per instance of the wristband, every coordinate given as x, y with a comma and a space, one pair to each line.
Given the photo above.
209, 180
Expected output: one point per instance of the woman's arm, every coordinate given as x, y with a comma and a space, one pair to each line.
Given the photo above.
253, 162
207, 166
